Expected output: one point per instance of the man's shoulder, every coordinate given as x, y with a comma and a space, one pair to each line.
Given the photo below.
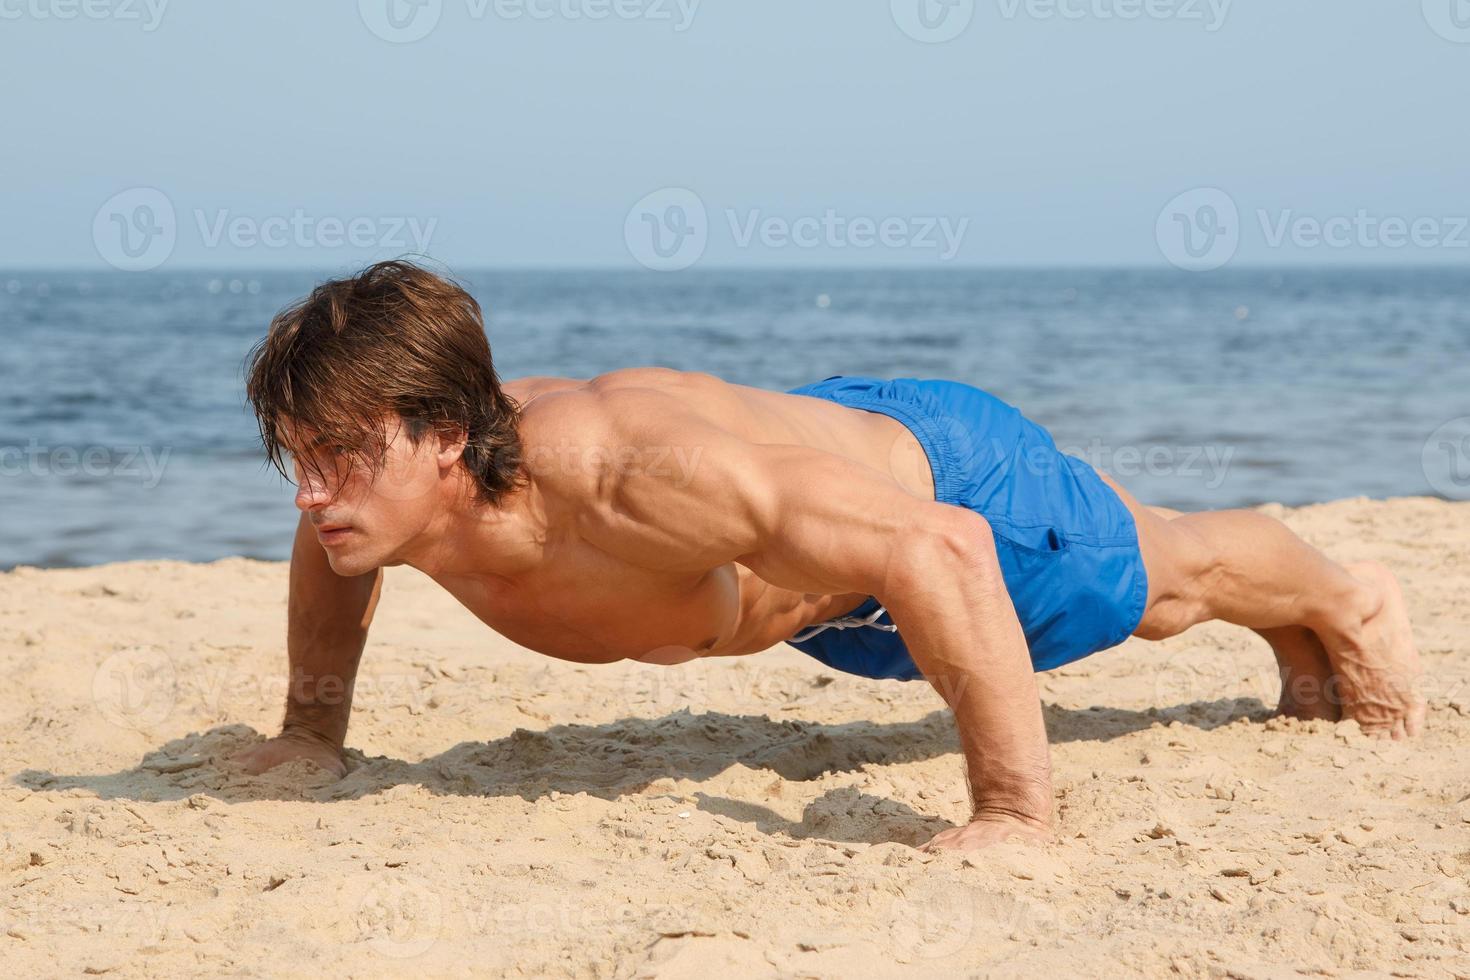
576, 440
616, 403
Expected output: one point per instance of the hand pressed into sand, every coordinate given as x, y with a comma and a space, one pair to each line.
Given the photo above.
290, 746
989, 829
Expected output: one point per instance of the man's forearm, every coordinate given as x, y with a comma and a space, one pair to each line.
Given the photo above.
327, 626
957, 620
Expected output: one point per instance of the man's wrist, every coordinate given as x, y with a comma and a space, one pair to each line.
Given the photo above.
1007, 814
306, 731
1022, 798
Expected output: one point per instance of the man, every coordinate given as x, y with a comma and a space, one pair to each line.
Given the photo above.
898, 529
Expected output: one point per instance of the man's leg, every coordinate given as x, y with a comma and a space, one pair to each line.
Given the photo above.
1341, 635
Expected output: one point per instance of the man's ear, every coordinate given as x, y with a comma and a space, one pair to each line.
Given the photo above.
449, 445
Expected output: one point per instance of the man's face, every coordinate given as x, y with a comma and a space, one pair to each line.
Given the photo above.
364, 517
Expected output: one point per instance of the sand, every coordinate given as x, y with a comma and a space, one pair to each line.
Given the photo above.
510, 814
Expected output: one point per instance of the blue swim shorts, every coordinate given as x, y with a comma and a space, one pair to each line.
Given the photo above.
1067, 545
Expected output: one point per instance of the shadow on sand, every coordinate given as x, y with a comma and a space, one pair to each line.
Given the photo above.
623, 757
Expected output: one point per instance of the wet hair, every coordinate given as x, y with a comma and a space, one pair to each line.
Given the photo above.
395, 338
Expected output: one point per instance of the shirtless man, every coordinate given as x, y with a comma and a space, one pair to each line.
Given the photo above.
900, 529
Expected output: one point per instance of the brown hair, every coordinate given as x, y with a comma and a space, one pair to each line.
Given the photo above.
393, 338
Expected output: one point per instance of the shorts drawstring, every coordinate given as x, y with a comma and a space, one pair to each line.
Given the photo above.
846, 622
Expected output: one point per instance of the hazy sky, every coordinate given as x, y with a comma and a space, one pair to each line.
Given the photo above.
141, 133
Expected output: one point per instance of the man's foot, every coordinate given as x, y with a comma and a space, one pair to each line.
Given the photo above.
1377, 663
1309, 689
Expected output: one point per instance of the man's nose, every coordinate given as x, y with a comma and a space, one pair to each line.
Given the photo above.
311, 493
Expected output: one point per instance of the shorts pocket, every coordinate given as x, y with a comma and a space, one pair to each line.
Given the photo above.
1035, 543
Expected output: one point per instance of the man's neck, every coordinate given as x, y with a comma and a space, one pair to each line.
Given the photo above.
469, 538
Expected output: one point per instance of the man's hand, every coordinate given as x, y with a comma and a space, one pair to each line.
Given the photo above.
986, 830
289, 746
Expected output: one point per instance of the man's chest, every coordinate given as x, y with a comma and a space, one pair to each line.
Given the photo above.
594, 610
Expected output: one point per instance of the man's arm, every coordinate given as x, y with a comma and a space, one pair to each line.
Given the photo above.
815, 522
327, 625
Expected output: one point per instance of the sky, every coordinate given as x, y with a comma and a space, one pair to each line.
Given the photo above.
667, 134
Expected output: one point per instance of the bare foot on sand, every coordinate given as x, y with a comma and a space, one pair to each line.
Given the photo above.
1309, 688
1377, 665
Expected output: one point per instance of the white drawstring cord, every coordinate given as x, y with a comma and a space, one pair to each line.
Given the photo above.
846, 622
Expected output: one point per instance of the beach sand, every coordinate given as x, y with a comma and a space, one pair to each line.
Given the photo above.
512, 814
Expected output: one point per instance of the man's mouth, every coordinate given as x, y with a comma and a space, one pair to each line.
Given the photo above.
332, 533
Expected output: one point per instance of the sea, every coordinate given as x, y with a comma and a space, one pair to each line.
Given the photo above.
124, 431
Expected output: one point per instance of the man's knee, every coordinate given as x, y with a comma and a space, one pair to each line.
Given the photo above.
1186, 569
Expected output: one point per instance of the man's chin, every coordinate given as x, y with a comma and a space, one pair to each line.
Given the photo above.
348, 565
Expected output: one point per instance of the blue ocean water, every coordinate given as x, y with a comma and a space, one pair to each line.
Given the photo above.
124, 433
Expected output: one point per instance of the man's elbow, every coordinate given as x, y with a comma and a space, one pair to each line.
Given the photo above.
952, 544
